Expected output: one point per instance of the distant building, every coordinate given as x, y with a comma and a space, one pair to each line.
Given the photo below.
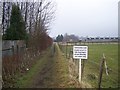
70, 38
100, 39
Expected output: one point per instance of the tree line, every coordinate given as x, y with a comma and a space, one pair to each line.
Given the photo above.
29, 21
66, 38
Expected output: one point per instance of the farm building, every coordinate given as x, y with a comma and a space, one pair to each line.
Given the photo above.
100, 39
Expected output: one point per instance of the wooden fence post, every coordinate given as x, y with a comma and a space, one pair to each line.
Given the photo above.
83, 64
17, 49
106, 68
52, 49
66, 49
101, 72
13, 50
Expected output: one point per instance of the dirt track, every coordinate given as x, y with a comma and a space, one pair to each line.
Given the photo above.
53, 72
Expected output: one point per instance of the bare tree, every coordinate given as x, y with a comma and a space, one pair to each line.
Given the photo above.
3, 17
44, 14
37, 15
26, 13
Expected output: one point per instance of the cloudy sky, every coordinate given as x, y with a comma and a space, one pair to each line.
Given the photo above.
86, 18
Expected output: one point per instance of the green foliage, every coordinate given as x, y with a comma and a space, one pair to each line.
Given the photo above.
16, 31
59, 38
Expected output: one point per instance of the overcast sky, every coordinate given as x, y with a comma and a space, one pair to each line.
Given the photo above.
86, 18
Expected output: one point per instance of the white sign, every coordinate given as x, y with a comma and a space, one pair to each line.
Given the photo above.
80, 52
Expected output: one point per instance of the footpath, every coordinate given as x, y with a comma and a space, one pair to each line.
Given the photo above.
50, 71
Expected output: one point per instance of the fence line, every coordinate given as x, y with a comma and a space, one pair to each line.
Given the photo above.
19, 62
69, 55
13, 50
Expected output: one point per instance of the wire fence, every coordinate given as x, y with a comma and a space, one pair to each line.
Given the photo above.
94, 65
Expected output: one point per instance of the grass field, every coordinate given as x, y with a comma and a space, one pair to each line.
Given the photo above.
91, 69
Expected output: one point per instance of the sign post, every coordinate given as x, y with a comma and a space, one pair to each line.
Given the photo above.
80, 52
80, 70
